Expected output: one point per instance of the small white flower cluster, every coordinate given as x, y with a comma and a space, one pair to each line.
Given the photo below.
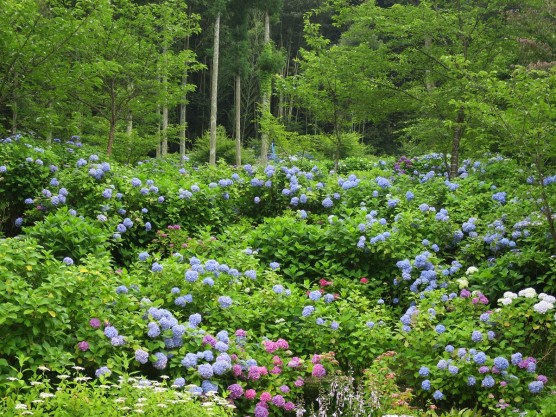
528, 293
546, 302
508, 298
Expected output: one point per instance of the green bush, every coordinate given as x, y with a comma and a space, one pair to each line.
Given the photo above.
67, 235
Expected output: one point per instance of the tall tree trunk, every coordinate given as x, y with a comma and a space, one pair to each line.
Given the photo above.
111, 135
14, 105
458, 134
158, 132
129, 132
183, 107
49, 131
238, 118
214, 91
113, 119
164, 145
265, 99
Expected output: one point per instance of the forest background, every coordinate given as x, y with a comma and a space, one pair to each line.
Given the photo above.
241, 80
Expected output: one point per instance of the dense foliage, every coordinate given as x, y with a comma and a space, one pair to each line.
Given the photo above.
267, 283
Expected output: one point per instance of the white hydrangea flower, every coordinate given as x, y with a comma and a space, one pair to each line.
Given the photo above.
471, 270
509, 294
542, 307
528, 293
505, 301
548, 298
463, 283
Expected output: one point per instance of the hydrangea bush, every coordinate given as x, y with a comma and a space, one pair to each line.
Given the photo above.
251, 281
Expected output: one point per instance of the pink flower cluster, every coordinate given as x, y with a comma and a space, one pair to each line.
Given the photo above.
271, 346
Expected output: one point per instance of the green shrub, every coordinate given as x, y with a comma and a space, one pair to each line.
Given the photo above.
67, 235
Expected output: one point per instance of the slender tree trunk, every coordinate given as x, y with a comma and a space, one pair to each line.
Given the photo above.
129, 127
265, 99
113, 119
164, 145
429, 83
49, 131
214, 91
458, 134
158, 132
129, 132
183, 108
238, 118
14, 105
111, 135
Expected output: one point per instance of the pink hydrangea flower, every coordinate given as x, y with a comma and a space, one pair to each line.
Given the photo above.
250, 394
318, 371
94, 323
299, 382
282, 344
83, 346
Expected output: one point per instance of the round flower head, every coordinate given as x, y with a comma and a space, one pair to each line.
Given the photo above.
236, 391
225, 301
438, 395
535, 387
488, 382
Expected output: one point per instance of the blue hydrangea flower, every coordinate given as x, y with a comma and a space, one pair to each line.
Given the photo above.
251, 274
122, 289
278, 289
442, 364
327, 203
382, 182
189, 361
476, 336
328, 298
453, 369
208, 386
179, 382
141, 356
488, 382
225, 301
438, 395
307, 311
221, 346
424, 371
103, 371
501, 363
480, 358
274, 265
535, 387
220, 367
471, 381
426, 385
205, 371
67, 260
154, 329
334, 325
156, 267
195, 319
161, 360
191, 276
315, 295
516, 358
440, 328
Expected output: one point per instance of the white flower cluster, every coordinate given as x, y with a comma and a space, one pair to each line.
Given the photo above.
508, 297
546, 303
528, 293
